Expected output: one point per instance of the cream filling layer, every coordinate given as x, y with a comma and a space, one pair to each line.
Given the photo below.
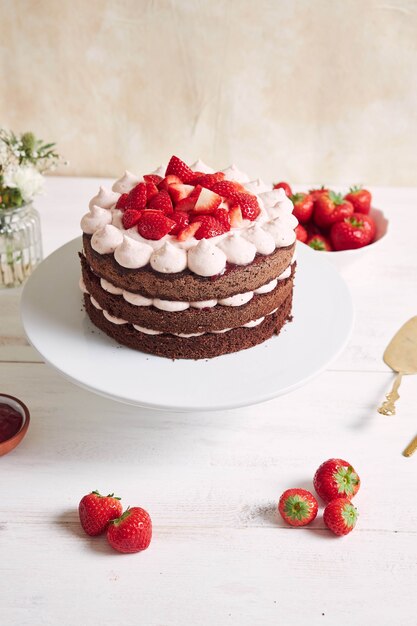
150, 331
174, 306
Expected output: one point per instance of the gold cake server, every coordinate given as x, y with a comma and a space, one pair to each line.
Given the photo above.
401, 356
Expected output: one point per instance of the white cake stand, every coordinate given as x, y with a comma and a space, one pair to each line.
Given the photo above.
58, 328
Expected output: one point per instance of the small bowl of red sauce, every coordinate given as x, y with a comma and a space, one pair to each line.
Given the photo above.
14, 422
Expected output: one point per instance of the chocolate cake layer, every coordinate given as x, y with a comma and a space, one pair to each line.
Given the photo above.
187, 286
191, 320
201, 347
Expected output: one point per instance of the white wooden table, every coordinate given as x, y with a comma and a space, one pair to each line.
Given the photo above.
211, 481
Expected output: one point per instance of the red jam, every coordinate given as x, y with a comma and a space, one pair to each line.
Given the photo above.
10, 422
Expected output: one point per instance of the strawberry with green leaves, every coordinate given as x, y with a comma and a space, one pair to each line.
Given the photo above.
340, 516
330, 208
297, 507
319, 242
96, 511
336, 478
303, 207
131, 532
360, 198
353, 232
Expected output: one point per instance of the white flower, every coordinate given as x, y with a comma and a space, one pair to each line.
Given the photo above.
26, 178
4, 153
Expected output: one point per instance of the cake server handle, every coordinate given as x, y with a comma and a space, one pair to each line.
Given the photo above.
411, 448
388, 406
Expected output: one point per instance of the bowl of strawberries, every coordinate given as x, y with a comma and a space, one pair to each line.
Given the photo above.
341, 226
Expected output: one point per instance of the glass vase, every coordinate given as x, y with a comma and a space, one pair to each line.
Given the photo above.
20, 244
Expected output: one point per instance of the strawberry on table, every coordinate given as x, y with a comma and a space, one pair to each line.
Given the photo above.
360, 198
301, 233
154, 225
96, 511
303, 206
180, 169
297, 507
131, 532
285, 187
330, 208
336, 478
319, 242
340, 516
356, 231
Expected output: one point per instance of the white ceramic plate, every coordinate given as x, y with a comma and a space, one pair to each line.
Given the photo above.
58, 328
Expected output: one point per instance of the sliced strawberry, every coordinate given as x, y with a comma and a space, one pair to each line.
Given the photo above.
207, 201
122, 202
248, 205
130, 218
154, 225
137, 197
180, 169
169, 180
209, 180
210, 227
188, 232
227, 187
153, 178
179, 191
181, 220
222, 216
188, 204
151, 190
161, 202
236, 218
196, 176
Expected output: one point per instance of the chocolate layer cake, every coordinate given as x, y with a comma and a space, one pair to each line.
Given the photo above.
187, 262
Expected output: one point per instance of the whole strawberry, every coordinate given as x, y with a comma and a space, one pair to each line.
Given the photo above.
356, 231
132, 532
340, 516
330, 208
303, 207
360, 198
336, 478
96, 511
301, 233
319, 242
297, 507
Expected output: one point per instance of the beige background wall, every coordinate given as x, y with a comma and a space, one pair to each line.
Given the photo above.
320, 90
